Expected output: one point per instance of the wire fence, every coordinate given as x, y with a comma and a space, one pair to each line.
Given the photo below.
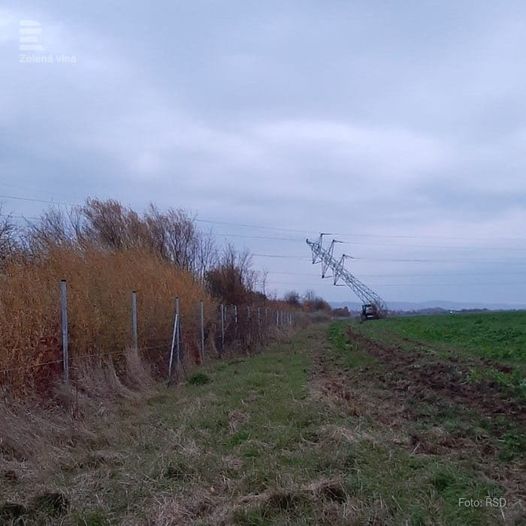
214, 331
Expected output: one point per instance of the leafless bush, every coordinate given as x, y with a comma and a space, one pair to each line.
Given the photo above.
292, 298
8, 238
233, 280
313, 303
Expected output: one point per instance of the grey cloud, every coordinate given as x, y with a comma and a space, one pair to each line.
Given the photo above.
361, 117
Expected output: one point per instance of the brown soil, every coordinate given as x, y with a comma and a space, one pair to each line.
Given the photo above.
425, 378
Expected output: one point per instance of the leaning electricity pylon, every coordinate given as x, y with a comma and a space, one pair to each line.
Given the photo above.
328, 261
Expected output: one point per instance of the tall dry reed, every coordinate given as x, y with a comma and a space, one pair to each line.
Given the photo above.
99, 297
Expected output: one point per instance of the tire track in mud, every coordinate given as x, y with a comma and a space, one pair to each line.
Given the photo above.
426, 378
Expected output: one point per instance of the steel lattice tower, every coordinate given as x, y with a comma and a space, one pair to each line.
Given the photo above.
327, 260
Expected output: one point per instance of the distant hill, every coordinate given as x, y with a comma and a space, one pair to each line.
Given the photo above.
433, 306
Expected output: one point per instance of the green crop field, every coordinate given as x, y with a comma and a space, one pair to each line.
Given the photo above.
495, 341
501, 336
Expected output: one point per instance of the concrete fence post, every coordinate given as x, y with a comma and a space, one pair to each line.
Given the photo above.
64, 328
202, 316
222, 310
135, 336
178, 336
172, 348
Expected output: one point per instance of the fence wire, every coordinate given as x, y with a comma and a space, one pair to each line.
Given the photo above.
241, 326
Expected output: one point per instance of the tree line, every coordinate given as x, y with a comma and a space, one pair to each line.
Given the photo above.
171, 235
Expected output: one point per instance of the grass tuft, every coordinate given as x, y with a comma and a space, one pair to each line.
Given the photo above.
199, 379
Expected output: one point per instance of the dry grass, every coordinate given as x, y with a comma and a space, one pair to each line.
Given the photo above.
99, 290
209, 507
254, 445
33, 437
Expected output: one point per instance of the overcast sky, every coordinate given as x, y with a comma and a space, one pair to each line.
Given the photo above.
399, 126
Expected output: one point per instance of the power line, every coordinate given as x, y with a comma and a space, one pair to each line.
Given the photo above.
380, 285
427, 275
280, 256
449, 247
15, 216
384, 245
301, 240
396, 245
35, 200
47, 201
385, 236
282, 229
275, 238
244, 225
408, 260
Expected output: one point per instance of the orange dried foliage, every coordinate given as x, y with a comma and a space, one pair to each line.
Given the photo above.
99, 308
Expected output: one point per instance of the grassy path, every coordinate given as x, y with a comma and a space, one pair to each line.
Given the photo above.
296, 435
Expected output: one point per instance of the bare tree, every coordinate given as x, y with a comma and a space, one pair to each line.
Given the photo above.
171, 235
207, 254
52, 230
233, 279
8, 241
181, 239
108, 223
311, 302
263, 281
292, 298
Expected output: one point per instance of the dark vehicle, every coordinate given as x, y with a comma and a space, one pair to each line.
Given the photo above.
369, 312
